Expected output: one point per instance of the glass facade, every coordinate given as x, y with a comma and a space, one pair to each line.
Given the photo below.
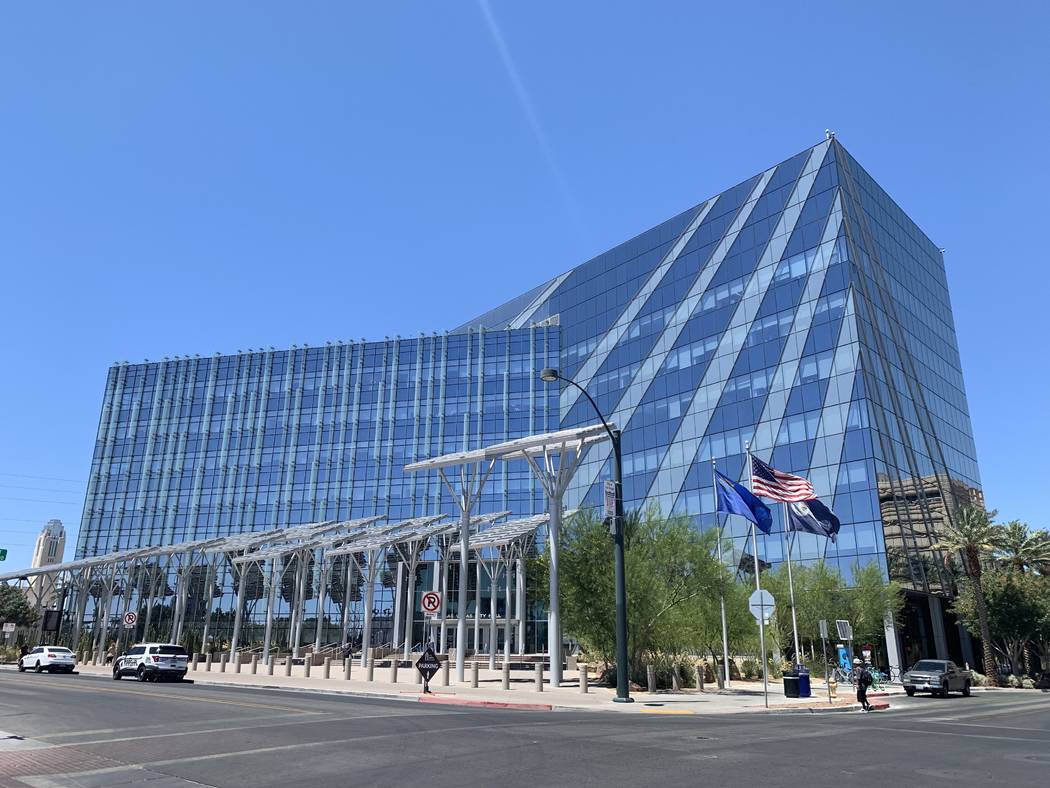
194, 448
800, 313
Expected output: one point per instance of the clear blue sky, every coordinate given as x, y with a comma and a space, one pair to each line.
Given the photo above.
218, 176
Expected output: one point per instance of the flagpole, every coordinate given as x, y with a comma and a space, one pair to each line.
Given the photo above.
721, 564
791, 583
758, 587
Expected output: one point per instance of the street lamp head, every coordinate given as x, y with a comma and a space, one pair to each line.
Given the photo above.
549, 374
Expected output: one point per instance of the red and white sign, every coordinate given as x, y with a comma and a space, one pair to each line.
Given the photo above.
131, 618
431, 602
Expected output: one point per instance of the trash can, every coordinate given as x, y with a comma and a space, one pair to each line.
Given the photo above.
804, 690
790, 684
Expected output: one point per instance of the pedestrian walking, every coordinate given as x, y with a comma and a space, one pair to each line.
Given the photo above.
23, 649
862, 676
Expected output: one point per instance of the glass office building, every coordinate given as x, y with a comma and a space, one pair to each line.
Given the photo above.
800, 312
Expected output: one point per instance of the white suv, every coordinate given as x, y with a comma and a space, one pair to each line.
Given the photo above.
152, 662
50, 658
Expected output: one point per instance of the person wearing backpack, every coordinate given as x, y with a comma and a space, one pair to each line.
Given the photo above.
863, 678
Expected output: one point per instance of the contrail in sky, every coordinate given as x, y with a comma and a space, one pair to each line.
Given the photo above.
530, 114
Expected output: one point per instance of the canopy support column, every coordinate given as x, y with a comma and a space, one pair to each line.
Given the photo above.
238, 616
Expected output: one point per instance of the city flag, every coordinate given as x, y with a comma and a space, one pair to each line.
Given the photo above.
735, 498
813, 517
771, 483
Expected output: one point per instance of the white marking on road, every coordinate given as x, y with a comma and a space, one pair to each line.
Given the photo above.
225, 728
286, 747
928, 732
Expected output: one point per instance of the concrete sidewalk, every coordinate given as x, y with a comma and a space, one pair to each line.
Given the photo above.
743, 697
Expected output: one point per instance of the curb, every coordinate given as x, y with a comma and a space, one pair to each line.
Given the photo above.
852, 707
487, 704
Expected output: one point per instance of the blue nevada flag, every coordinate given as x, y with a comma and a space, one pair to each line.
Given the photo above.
734, 498
813, 517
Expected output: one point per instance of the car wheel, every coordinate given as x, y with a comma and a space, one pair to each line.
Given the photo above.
21, 667
140, 674
966, 690
116, 674
944, 690
39, 668
910, 691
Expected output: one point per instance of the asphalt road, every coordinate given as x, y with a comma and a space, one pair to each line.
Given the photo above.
84, 731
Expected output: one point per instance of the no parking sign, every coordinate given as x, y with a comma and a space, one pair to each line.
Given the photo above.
431, 602
131, 618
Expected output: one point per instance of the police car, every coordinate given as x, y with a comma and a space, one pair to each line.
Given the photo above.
152, 662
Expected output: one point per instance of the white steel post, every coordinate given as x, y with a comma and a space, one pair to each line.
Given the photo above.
554, 618
366, 633
461, 618
507, 630
477, 604
238, 616
398, 629
493, 570
519, 578
410, 599
270, 602
322, 586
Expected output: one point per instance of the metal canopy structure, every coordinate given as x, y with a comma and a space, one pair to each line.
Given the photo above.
554, 458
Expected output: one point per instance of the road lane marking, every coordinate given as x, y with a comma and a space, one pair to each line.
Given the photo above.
226, 728
187, 698
666, 711
286, 747
928, 732
935, 721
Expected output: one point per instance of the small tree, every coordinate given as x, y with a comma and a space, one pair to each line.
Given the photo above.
671, 574
15, 608
871, 599
1014, 609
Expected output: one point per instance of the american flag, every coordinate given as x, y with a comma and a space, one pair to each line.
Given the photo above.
771, 483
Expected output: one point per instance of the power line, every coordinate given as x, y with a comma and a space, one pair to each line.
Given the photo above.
46, 478
38, 500
39, 489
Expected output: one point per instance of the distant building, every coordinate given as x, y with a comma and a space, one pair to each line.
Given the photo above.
50, 547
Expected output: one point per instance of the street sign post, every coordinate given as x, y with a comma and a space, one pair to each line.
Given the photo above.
431, 602
824, 650
9, 627
131, 618
761, 605
428, 664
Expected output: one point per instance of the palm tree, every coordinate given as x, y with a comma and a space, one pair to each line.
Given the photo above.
1023, 549
973, 536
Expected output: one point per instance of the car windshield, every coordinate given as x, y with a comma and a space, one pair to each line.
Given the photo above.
177, 650
928, 664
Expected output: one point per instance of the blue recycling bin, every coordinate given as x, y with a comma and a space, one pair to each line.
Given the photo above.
804, 690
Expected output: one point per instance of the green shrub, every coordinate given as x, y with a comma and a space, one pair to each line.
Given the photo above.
749, 669
978, 679
1013, 682
1027, 683
8, 654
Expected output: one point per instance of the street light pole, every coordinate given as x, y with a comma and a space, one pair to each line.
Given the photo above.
623, 687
